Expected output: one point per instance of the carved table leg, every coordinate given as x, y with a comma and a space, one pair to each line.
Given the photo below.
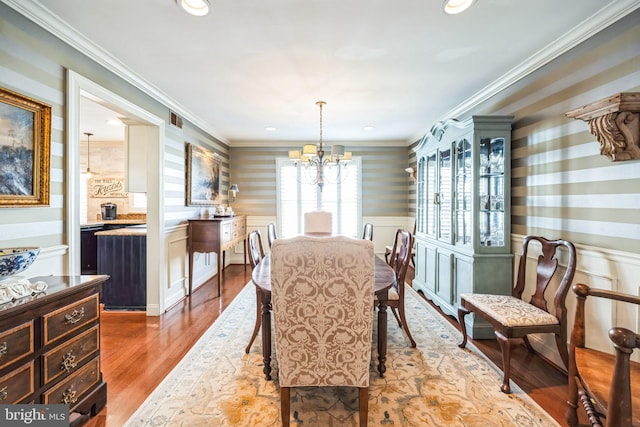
266, 333
382, 334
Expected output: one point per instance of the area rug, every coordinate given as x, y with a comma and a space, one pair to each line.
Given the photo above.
435, 384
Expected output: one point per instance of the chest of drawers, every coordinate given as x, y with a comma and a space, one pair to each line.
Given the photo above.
50, 346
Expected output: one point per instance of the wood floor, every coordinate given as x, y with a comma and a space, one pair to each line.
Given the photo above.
139, 351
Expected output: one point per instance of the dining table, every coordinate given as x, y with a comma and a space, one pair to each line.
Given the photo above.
385, 277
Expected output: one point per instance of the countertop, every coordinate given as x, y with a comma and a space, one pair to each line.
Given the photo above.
113, 221
135, 230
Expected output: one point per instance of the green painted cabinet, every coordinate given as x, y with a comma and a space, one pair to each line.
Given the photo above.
463, 213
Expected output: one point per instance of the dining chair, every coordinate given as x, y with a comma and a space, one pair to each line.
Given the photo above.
318, 222
367, 231
272, 233
512, 317
399, 261
388, 249
256, 253
321, 293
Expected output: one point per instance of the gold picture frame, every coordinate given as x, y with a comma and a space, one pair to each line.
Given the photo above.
203, 177
25, 144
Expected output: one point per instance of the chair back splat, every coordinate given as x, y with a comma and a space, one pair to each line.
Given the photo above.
272, 234
367, 231
512, 318
321, 293
256, 253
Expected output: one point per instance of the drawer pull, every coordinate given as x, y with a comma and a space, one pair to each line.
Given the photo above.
68, 362
3, 393
69, 396
75, 316
3, 349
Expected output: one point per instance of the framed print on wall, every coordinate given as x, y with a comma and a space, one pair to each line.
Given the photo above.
25, 141
203, 177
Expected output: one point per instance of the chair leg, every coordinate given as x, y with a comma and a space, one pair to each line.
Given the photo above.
364, 406
562, 349
285, 405
505, 346
462, 312
527, 343
256, 328
405, 326
395, 314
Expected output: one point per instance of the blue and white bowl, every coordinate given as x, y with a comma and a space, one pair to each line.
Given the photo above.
16, 260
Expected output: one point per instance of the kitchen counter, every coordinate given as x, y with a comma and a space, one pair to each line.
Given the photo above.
134, 230
113, 221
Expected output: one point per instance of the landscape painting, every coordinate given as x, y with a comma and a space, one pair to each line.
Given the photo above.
203, 177
25, 133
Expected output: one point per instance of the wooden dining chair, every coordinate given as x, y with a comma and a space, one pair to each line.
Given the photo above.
256, 253
323, 320
513, 318
367, 231
399, 261
272, 234
318, 222
388, 249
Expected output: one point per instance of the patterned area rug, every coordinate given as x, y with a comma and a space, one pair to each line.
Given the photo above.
436, 384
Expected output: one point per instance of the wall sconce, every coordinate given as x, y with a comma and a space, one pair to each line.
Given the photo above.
232, 193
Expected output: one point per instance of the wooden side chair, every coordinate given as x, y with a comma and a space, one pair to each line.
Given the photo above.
367, 231
256, 253
389, 249
318, 222
400, 256
272, 233
606, 385
314, 353
512, 318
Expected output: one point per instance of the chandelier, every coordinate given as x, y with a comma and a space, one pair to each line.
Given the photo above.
318, 169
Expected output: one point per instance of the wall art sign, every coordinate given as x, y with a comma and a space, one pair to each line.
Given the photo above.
203, 177
108, 187
25, 140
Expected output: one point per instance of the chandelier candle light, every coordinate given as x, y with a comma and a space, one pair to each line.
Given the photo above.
319, 169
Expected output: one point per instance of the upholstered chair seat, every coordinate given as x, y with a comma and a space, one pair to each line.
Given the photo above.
510, 311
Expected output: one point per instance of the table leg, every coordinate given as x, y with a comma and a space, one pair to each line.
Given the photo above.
266, 333
220, 268
382, 334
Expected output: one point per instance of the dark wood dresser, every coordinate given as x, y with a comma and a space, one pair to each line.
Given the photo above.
217, 235
50, 346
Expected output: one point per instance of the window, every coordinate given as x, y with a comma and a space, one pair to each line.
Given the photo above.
343, 200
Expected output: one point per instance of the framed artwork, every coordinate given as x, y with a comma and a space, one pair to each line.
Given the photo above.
25, 141
203, 177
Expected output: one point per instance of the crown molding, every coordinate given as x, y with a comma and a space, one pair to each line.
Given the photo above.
603, 18
52, 23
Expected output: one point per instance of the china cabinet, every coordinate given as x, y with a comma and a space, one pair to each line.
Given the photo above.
463, 219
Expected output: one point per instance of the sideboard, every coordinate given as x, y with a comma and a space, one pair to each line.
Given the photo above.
50, 346
216, 234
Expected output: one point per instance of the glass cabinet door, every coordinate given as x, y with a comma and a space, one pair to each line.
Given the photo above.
431, 169
463, 183
444, 195
491, 192
422, 198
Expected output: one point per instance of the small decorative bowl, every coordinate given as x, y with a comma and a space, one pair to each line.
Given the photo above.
16, 260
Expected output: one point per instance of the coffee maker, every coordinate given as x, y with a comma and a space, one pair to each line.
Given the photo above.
108, 211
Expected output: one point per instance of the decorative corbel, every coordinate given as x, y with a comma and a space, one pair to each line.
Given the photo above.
615, 122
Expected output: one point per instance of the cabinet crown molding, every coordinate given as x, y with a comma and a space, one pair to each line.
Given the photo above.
615, 122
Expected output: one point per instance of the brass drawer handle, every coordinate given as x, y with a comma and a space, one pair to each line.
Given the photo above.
74, 317
3, 349
68, 361
69, 396
3, 393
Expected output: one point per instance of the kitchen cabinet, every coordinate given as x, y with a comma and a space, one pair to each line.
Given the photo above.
50, 347
138, 137
463, 220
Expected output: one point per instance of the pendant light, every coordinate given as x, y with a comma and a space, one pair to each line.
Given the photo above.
88, 172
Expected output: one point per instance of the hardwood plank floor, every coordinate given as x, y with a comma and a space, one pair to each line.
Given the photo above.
139, 351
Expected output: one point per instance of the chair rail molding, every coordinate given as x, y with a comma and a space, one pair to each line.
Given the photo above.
615, 122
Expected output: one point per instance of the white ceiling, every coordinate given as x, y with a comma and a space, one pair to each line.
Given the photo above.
398, 65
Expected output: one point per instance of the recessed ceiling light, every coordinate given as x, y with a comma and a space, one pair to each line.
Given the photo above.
369, 127
114, 122
453, 7
270, 128
195, 7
